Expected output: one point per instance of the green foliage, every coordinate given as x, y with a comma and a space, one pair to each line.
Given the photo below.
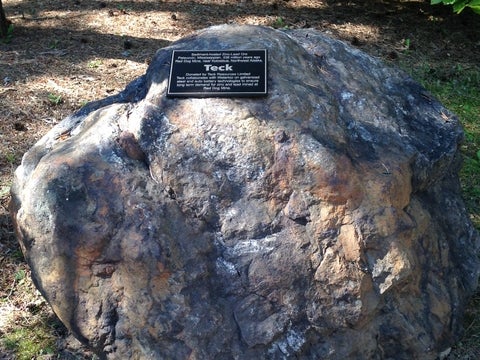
93, 64
279, 23
20, 275
55, 99
459, 5
10, 157
17, 255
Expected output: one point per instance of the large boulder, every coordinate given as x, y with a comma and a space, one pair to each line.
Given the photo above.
323, 221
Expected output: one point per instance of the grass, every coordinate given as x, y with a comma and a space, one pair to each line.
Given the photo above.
30, 342
93, 64
55, 99
27, 331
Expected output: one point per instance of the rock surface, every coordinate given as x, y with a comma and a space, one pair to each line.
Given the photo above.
323, 221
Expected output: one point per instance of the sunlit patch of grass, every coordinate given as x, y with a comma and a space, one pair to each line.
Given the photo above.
28, 329
30, 342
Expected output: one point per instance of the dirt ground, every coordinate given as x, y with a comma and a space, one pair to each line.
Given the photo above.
63, 54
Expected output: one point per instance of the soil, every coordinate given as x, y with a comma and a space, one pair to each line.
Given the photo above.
63, 54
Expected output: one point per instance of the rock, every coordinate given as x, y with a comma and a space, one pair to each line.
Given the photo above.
323, 221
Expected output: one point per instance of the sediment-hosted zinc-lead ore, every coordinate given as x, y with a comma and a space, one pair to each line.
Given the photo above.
323, 221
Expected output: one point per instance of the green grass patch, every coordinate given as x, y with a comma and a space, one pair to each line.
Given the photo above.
30, 342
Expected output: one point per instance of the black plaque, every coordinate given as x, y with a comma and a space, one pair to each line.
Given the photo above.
226, 73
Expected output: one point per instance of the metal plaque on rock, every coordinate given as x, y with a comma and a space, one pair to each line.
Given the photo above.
226, 73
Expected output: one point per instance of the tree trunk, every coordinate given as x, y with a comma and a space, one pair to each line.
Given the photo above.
3, 22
